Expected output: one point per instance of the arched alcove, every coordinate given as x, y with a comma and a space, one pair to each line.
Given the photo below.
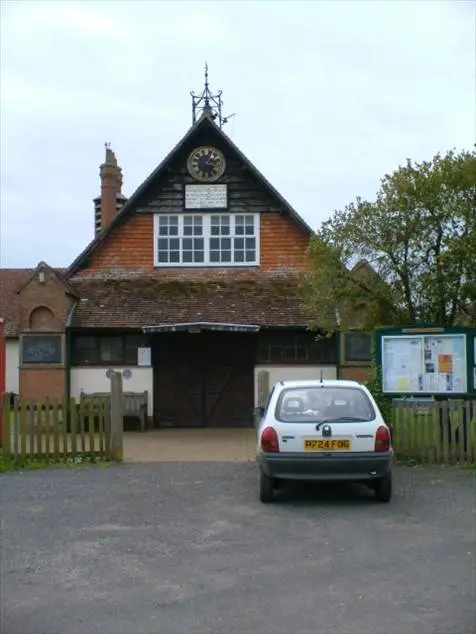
42, 318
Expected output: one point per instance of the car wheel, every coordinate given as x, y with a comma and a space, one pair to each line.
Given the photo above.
383, 488
278, 484
266, 488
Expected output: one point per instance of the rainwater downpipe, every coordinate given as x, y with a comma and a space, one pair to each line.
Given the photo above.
67, 360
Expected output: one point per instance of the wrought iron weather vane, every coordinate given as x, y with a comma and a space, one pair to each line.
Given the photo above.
207, 102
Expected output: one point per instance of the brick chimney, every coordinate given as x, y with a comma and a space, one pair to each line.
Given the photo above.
111, 200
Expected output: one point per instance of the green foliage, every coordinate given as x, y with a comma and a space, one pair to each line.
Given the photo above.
34, 463
374, 385
416, 245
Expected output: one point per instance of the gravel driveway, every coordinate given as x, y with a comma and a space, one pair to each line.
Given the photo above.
187, 548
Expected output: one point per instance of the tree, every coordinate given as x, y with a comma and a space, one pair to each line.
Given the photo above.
407, 257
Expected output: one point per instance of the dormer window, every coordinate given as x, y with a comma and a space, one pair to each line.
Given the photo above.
206, 240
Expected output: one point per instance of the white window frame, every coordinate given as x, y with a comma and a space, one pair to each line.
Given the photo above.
206, 223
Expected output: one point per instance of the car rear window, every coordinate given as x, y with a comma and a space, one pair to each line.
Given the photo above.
315, 403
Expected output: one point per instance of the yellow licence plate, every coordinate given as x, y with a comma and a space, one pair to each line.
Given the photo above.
327, 445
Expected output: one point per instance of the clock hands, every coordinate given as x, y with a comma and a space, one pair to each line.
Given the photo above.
206, 164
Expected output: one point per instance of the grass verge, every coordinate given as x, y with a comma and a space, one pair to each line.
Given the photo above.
35, 463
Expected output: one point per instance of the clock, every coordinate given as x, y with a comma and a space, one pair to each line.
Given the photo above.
206, 164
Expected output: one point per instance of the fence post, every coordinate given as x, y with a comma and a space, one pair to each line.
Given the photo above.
6, 422
263, 387
116, 422
3, 363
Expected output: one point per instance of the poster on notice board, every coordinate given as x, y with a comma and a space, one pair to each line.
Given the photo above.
427, 364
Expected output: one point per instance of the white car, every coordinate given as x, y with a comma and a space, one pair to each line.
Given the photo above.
328, 430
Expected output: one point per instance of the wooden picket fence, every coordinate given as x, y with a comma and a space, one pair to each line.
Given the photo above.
52, 430
435, 432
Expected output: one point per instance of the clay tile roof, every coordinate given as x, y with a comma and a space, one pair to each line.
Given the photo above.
153, 300
10, 281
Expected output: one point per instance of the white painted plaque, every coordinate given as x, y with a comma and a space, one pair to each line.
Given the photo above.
144, 357
205, 196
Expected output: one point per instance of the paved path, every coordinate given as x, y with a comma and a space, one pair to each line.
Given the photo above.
190, 445
178, 548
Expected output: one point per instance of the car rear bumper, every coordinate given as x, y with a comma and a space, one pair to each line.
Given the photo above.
296, 466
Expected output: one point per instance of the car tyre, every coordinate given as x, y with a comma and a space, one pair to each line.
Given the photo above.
278, 484
266, 488
383, 488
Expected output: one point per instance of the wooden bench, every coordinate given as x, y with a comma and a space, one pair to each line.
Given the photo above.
134, 404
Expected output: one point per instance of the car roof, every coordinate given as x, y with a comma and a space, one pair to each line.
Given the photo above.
318, 383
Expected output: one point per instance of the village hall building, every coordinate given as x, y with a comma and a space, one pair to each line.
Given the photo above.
189, 288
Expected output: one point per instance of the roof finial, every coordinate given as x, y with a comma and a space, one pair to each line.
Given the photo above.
208, 104
207, 109
206, 76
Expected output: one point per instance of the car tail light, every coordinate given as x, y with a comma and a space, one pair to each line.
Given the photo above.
382, 439
269, 440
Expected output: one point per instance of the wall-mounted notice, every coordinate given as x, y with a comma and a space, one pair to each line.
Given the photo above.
144, 357
431, 364
206, 197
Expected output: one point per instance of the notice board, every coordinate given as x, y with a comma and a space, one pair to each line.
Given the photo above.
426, 364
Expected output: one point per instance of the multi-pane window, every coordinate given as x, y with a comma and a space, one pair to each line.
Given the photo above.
244, 243
210, 240
220, 239
44, 349
106, 349
357, 347
168, 242
111, 349
193, 243
288, 347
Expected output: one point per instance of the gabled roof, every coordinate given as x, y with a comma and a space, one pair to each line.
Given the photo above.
57, 273
11, 282
203, 122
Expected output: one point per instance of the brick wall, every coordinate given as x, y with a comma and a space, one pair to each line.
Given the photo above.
51, 293
43, 381
283, 243
40, 383
131, 246
128, 246
356, 373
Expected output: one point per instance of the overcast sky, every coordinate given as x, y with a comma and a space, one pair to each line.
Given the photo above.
328, 96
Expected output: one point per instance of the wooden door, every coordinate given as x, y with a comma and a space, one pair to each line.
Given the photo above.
204, 379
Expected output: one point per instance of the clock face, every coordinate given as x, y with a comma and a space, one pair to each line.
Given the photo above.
206, 164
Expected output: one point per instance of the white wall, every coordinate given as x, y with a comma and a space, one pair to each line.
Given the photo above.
89, 380
12, 378
293, 372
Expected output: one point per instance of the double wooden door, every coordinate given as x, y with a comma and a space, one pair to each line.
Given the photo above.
204, 379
